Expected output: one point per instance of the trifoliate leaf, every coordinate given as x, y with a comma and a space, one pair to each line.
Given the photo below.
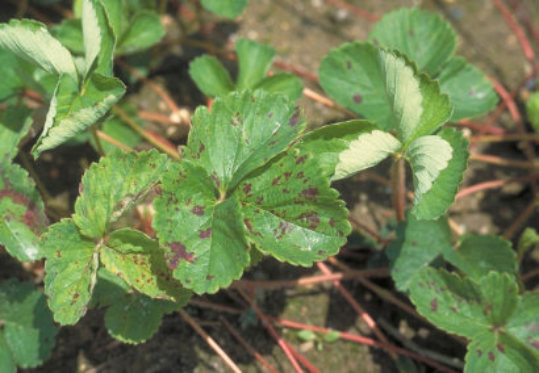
428, 156
131, 317
423, 241
225, 8
329, 141
28, 332
242, 132
112, 186
441, 195
284, 83
72, 111
71, 270
468, 88
489, 312
210, 76
385, 88
202, 234
254, 61
22, 214
291, 212
426, 38
30, 40
144, 30
366, 151
14, 125
477, 255
138, 260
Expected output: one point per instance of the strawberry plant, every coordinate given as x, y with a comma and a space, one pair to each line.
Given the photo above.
250, 181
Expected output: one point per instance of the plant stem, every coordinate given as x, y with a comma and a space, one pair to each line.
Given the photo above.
492, 159
398, 181
521, 219
505, 138
113, 141
100, 149
494, 184
210, 341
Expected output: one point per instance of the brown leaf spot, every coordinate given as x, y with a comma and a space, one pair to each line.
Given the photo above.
205, 233
74, 300
198, 210
434, 305
236, 119
209, 277
286, 191
276, 180
58, 254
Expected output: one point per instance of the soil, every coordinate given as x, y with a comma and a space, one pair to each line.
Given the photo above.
302, 32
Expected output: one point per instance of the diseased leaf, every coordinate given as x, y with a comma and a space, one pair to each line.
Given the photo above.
210, 76
71, 270
131, 317
426, 38
144, 30
284, 83
225, 8
428, 157
112, 186
243, 131
369, 149
468, 88
489, 312
138, 260
72, 111
30, 40
477, 255
329, 141
28, 332
22, 214
254, 61
290, 211
422, 242
385, 88
202, 234
441, 195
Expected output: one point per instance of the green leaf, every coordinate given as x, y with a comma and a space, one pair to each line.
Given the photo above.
72, 111
14, 125
225, 8
91, 32
254, 60
468, 88
131, 317
423, 241
428, 157
30, 40
528, 239
329, 141
203, 235
477, 255
118, 130
71, 270
99, 40
291, 212
437, 200
113, 186
145, 29
306, 335
28, 332
366, 151
243, 131
22, 214
532, 108
138, 260
283, 83
117, 15
69, 33
501, 324
210, 76
332, 336
426, 38
14, 72
385, 88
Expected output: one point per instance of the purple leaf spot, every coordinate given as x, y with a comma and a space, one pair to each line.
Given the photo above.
276, 180
300, 160
236, 119
434, 305
300, 174
270, 115
479, 352
295, 118
286, 191
247, 188
455, 309
535, 345
215, 179
357, 98
209, 277
331, 222
491, 356
487, 309
179, 252
309, 193
205, 233
259, 200
500, 348
311, 219
198, 210
348, 65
